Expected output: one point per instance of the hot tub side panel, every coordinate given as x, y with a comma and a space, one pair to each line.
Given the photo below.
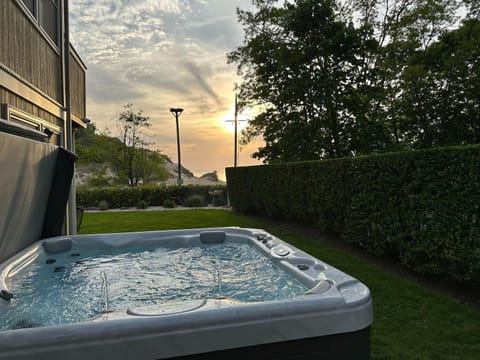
347, 346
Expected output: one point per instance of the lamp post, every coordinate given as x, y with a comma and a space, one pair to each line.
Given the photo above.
235, 156
176, 113
235, 139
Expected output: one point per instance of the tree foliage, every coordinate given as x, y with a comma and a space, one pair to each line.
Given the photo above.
93, 147
335, 78
441, 99
133, 164
128, 155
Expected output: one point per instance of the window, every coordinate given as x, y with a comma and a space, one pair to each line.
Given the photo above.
49, 18
46, 14
30, 5
21, 123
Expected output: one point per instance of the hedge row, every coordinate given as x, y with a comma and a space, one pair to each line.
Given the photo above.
421, 206
154, 195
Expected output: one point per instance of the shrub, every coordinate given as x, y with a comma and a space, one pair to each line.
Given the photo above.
195, 201
142, 204
420, 207
169, 204
103, 205
218, 197
219, 200
154, 195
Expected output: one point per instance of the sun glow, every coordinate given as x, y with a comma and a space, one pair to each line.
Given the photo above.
227, 120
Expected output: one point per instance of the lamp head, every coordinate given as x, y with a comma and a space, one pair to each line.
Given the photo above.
176, 111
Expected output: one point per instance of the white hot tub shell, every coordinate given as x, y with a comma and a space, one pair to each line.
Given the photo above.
331, 320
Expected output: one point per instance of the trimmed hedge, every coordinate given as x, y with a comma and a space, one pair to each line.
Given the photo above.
419, 206
153, 195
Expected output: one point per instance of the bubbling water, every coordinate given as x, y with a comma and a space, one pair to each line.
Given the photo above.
75, 288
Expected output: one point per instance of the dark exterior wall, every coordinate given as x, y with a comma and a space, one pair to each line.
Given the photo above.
25, 51
77, 88
7, 97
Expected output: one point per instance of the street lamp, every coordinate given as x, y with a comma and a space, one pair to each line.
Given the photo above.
176, 113
235, 140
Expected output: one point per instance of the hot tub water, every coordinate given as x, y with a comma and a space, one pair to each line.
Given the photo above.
79, 285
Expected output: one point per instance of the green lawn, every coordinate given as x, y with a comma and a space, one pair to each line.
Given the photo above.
410, 322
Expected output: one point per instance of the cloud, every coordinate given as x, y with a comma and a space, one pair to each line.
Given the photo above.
159, 54
202, 83
106, 86
108, 31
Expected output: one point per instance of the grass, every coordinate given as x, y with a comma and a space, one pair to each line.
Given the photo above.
410, 322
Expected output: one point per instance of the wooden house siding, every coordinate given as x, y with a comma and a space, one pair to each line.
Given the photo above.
33, 81
7, 97
77, 88
27, 53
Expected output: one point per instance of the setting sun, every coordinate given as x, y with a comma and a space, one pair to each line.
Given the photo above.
227, 120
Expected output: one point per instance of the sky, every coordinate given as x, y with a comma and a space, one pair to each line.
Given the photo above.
159, 54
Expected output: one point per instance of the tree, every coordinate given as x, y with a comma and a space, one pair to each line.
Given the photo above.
340, 78
402, 28
135, 163
473, 7
298, 63
127, 154
441, 90
93, 148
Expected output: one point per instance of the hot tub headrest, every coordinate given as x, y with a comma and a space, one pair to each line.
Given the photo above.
211, 237
57, 246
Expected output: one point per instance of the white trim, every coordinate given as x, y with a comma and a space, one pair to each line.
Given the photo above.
21, 87
13, 112
23, 131
14, 83
16, 116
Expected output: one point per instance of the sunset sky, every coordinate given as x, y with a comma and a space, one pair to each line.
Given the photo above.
158, 54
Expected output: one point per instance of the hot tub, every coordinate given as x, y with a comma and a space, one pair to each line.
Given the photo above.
198, 293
